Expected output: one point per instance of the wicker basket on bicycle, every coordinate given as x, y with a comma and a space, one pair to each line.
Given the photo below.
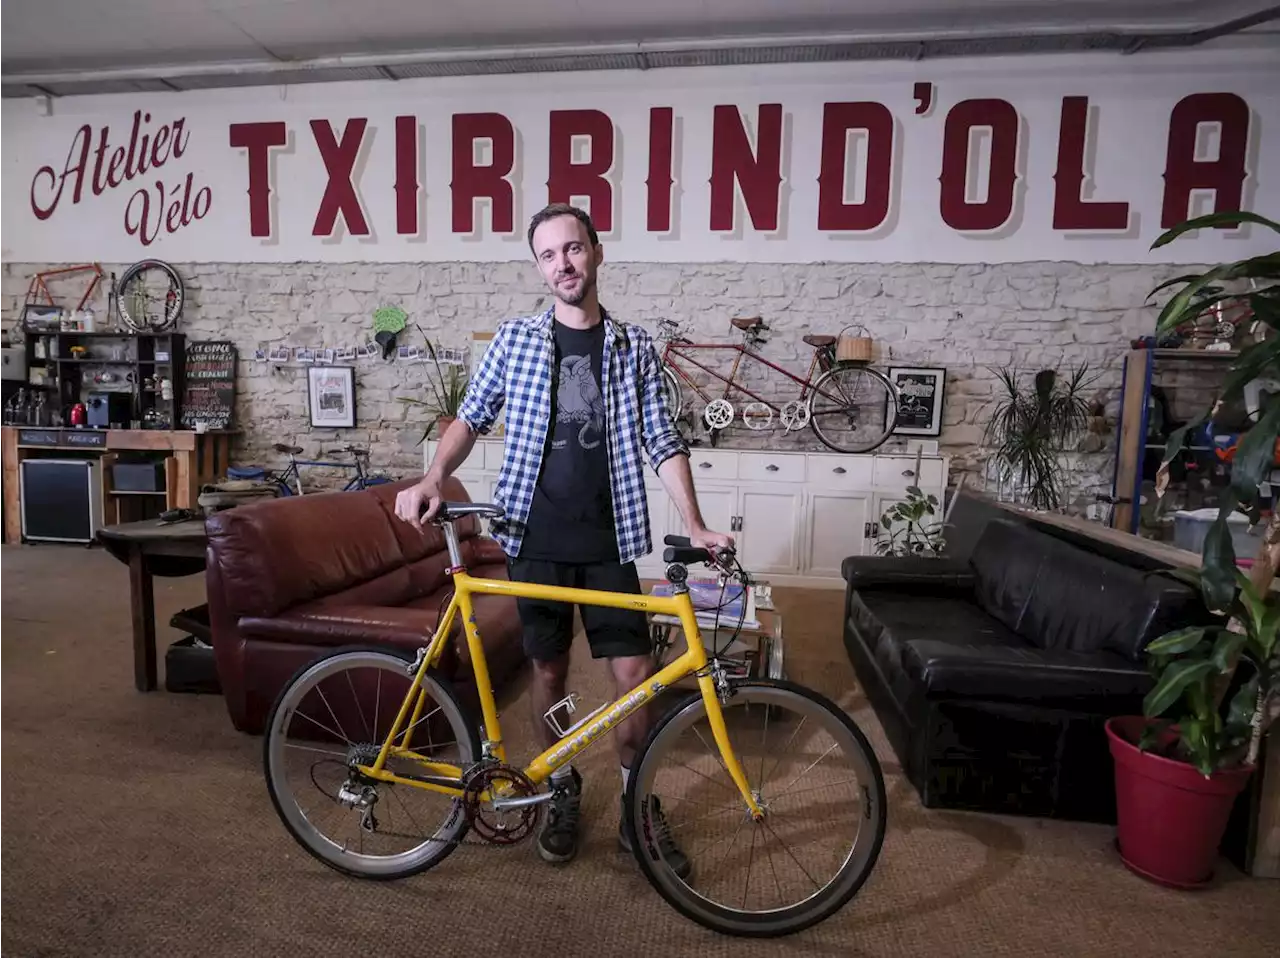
852, 348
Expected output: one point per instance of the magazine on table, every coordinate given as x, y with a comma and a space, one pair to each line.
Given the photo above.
716, 605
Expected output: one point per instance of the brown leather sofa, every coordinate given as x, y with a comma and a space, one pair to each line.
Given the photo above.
288, 579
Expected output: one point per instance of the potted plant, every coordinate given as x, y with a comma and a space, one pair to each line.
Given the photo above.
911, 527
1030, 431
447, 392
1180, 766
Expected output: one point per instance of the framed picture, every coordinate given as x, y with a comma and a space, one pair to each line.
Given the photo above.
331, 395
921, 390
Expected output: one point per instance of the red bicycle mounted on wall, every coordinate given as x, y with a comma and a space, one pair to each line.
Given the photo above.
850, 407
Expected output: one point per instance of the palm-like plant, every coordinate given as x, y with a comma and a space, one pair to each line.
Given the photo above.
1197, 668
1031, 430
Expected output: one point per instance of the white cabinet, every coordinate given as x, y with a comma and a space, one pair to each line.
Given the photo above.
795, 516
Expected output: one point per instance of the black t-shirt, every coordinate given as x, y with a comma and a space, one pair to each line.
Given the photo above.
571, 518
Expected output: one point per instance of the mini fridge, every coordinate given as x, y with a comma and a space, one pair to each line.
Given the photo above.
61, 499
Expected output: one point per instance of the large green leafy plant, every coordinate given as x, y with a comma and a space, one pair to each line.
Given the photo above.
1217, 686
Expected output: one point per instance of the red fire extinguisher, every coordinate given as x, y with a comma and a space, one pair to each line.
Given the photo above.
79, 415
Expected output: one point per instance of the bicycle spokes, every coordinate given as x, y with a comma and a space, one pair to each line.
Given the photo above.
853, 409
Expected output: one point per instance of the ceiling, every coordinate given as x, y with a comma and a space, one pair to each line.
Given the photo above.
67, 47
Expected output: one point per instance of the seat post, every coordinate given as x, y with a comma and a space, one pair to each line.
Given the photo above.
451, 540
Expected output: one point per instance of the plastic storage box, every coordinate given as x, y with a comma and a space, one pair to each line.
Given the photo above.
1190, 528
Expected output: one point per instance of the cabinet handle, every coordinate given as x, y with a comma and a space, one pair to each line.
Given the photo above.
704, 465
908, 473
771, 467
839, 470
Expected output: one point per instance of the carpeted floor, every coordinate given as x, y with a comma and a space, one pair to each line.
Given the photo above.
149, 832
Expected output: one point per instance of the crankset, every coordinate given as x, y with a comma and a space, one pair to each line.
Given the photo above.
510, 812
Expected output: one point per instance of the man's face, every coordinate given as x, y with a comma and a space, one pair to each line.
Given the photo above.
566, 258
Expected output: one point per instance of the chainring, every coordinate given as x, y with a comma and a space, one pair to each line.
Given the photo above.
500, 828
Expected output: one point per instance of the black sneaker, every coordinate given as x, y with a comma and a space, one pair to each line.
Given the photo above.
558, 841
660, 830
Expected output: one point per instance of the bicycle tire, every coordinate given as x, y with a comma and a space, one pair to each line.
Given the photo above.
892, 419
175, 283
675, 398
468, 738
786, 921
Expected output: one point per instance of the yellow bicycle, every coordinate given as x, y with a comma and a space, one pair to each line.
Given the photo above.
400, 774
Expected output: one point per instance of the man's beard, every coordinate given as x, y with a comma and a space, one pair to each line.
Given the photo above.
575, 298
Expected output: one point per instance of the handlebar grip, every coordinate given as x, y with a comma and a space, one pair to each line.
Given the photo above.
676, 541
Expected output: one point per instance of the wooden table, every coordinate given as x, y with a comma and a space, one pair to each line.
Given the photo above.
758, 648
191, 460
150, 548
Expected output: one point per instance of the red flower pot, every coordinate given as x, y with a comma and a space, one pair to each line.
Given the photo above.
1169, 818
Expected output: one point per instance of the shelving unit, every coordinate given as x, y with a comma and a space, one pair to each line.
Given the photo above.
1132, 438
137, 364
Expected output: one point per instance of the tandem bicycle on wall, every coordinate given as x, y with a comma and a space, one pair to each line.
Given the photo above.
289, 480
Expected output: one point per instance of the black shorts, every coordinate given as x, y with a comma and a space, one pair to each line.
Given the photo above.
548, 626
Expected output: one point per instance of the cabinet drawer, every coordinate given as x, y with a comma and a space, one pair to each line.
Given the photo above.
898, 472
711, 464
493, 453
770, 467
840, 472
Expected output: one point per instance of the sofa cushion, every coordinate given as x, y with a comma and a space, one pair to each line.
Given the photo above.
888, 621
1056, 595
1050, 678
1005, 562
280, 553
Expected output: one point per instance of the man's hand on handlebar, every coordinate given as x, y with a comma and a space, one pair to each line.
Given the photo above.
707, 539
419, 502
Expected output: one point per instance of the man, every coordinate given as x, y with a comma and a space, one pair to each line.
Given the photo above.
585, 409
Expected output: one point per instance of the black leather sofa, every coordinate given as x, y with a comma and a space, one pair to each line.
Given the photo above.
994, 675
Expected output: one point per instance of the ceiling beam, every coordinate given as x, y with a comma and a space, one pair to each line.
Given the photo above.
825, 47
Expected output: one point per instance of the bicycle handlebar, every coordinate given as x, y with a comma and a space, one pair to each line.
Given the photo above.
682, 550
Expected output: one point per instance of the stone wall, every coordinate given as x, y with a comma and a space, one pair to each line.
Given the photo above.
968, 318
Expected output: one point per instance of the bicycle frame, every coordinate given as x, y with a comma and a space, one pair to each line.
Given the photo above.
674, 350
294, 473
447, 778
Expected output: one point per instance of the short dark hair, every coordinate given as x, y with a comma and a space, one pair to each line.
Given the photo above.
562, 209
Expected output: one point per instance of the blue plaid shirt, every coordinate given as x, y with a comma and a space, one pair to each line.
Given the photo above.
516, 373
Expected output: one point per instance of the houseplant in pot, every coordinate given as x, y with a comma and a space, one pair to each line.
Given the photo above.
1180, 766
446, 395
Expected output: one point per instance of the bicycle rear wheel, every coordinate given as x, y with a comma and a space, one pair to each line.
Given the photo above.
335, 713
854, 408
675, 399
742, 877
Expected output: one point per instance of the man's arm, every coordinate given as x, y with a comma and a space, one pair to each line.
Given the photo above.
476, 414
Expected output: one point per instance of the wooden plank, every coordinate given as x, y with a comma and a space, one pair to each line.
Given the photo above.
110, 502
171, 482
1266, 846
1132, 439
12, 502
185, 479
174, 439
1159, 551
143, 606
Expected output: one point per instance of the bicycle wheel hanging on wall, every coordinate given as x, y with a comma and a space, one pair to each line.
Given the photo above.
150, 296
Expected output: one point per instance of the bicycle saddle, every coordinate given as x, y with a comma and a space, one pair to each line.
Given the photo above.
456, 510
281, 447
819, 341
751, 322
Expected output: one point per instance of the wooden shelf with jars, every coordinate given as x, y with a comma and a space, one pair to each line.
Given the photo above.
103, 380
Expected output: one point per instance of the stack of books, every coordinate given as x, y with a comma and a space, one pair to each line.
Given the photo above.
725, 606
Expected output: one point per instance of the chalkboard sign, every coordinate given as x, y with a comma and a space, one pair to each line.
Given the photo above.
210, 395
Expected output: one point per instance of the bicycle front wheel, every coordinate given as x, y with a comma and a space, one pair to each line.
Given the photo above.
333, 715
811, 769
853, 409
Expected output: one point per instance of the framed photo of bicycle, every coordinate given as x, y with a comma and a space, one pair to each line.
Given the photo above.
921, 390
331, 396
